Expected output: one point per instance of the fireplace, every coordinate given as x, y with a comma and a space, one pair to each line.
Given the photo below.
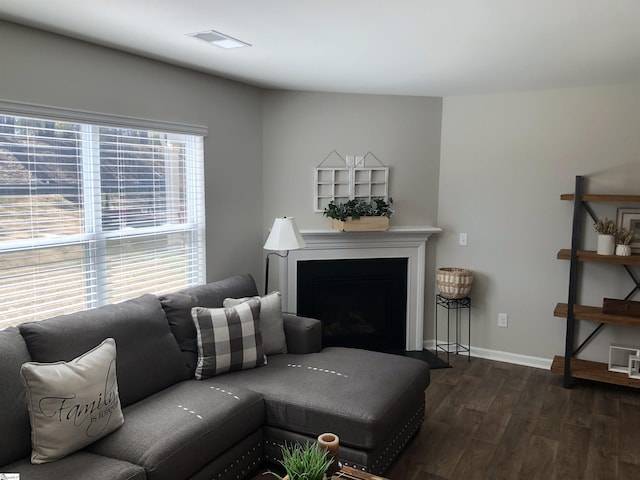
361, 302
406, 243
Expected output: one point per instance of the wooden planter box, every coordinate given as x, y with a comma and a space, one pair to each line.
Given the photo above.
363, 224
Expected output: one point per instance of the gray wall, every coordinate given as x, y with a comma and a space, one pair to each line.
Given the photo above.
42, 68
300, 129
498, 175
505, 161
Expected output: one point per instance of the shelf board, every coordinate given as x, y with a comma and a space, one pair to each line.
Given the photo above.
595, 371
602, 198
592, 256
594, 314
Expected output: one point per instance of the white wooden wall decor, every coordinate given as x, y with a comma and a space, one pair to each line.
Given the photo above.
619, 357
634, 366
351, 180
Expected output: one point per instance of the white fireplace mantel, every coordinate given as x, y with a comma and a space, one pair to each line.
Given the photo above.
397, 242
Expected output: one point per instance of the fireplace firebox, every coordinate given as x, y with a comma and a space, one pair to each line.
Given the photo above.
362, 303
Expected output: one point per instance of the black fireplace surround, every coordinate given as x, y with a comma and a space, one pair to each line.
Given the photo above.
362, 303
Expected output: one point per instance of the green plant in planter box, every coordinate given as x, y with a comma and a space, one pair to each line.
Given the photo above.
304, 461
358, 208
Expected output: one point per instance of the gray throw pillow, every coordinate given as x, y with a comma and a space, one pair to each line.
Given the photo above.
72, 404
271, 324
228, 339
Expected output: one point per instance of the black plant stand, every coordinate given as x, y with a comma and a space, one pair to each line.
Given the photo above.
457, 305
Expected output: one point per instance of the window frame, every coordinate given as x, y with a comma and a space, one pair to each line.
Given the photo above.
96, 292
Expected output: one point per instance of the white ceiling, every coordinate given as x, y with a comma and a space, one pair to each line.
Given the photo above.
401, 47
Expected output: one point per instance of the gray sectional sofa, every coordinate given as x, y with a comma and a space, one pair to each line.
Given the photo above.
224, 427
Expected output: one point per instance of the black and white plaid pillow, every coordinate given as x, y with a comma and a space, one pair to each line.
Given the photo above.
228, 338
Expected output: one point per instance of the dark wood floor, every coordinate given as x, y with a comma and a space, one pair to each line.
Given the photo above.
490, 420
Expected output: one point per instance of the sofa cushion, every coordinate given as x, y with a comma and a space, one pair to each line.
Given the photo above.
213, 294
72, 404
178, 309
228, 338
79, 466
178, 431
359, 395
148, 356
271, 324
15, 440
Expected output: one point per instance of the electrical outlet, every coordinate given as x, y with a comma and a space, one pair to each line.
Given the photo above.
503, 320
462, 240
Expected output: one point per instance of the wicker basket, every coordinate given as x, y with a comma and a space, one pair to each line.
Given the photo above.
454, 282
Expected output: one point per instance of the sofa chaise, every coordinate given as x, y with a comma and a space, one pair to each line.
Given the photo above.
221, 427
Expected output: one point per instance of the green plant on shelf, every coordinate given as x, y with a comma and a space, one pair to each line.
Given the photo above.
605, 227
623, 237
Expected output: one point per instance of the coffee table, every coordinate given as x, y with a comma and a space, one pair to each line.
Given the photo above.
348, 473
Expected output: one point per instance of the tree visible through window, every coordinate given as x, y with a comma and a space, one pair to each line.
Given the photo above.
94, 214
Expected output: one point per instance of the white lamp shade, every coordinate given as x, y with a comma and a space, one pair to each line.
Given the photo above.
284, 235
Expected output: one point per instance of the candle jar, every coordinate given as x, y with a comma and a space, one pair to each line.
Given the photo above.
331, 443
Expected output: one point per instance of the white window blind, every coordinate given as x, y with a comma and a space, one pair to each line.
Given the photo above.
93, 214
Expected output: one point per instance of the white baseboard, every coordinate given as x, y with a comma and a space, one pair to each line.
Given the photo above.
499, 356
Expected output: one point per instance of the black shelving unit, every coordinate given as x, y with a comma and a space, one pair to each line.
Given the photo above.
570, 367
454, 308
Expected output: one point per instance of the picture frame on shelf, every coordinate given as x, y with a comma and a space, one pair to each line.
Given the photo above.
619, 357
629, 218
634, 366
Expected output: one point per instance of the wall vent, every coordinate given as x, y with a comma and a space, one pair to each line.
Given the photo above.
219, 39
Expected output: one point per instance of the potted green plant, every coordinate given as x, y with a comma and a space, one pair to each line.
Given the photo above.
623, 242
305, 461
358, 215
606, 230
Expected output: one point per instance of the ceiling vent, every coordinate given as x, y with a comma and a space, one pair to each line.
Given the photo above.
219, 39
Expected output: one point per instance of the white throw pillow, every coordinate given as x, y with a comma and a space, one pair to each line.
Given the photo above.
228, 339
271, 324
72, 404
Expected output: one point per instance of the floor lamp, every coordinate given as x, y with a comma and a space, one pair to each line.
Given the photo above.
284, 236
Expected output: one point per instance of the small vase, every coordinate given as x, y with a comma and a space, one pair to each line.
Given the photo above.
606, 245
623, 250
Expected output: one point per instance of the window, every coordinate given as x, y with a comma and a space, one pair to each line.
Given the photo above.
95, 213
